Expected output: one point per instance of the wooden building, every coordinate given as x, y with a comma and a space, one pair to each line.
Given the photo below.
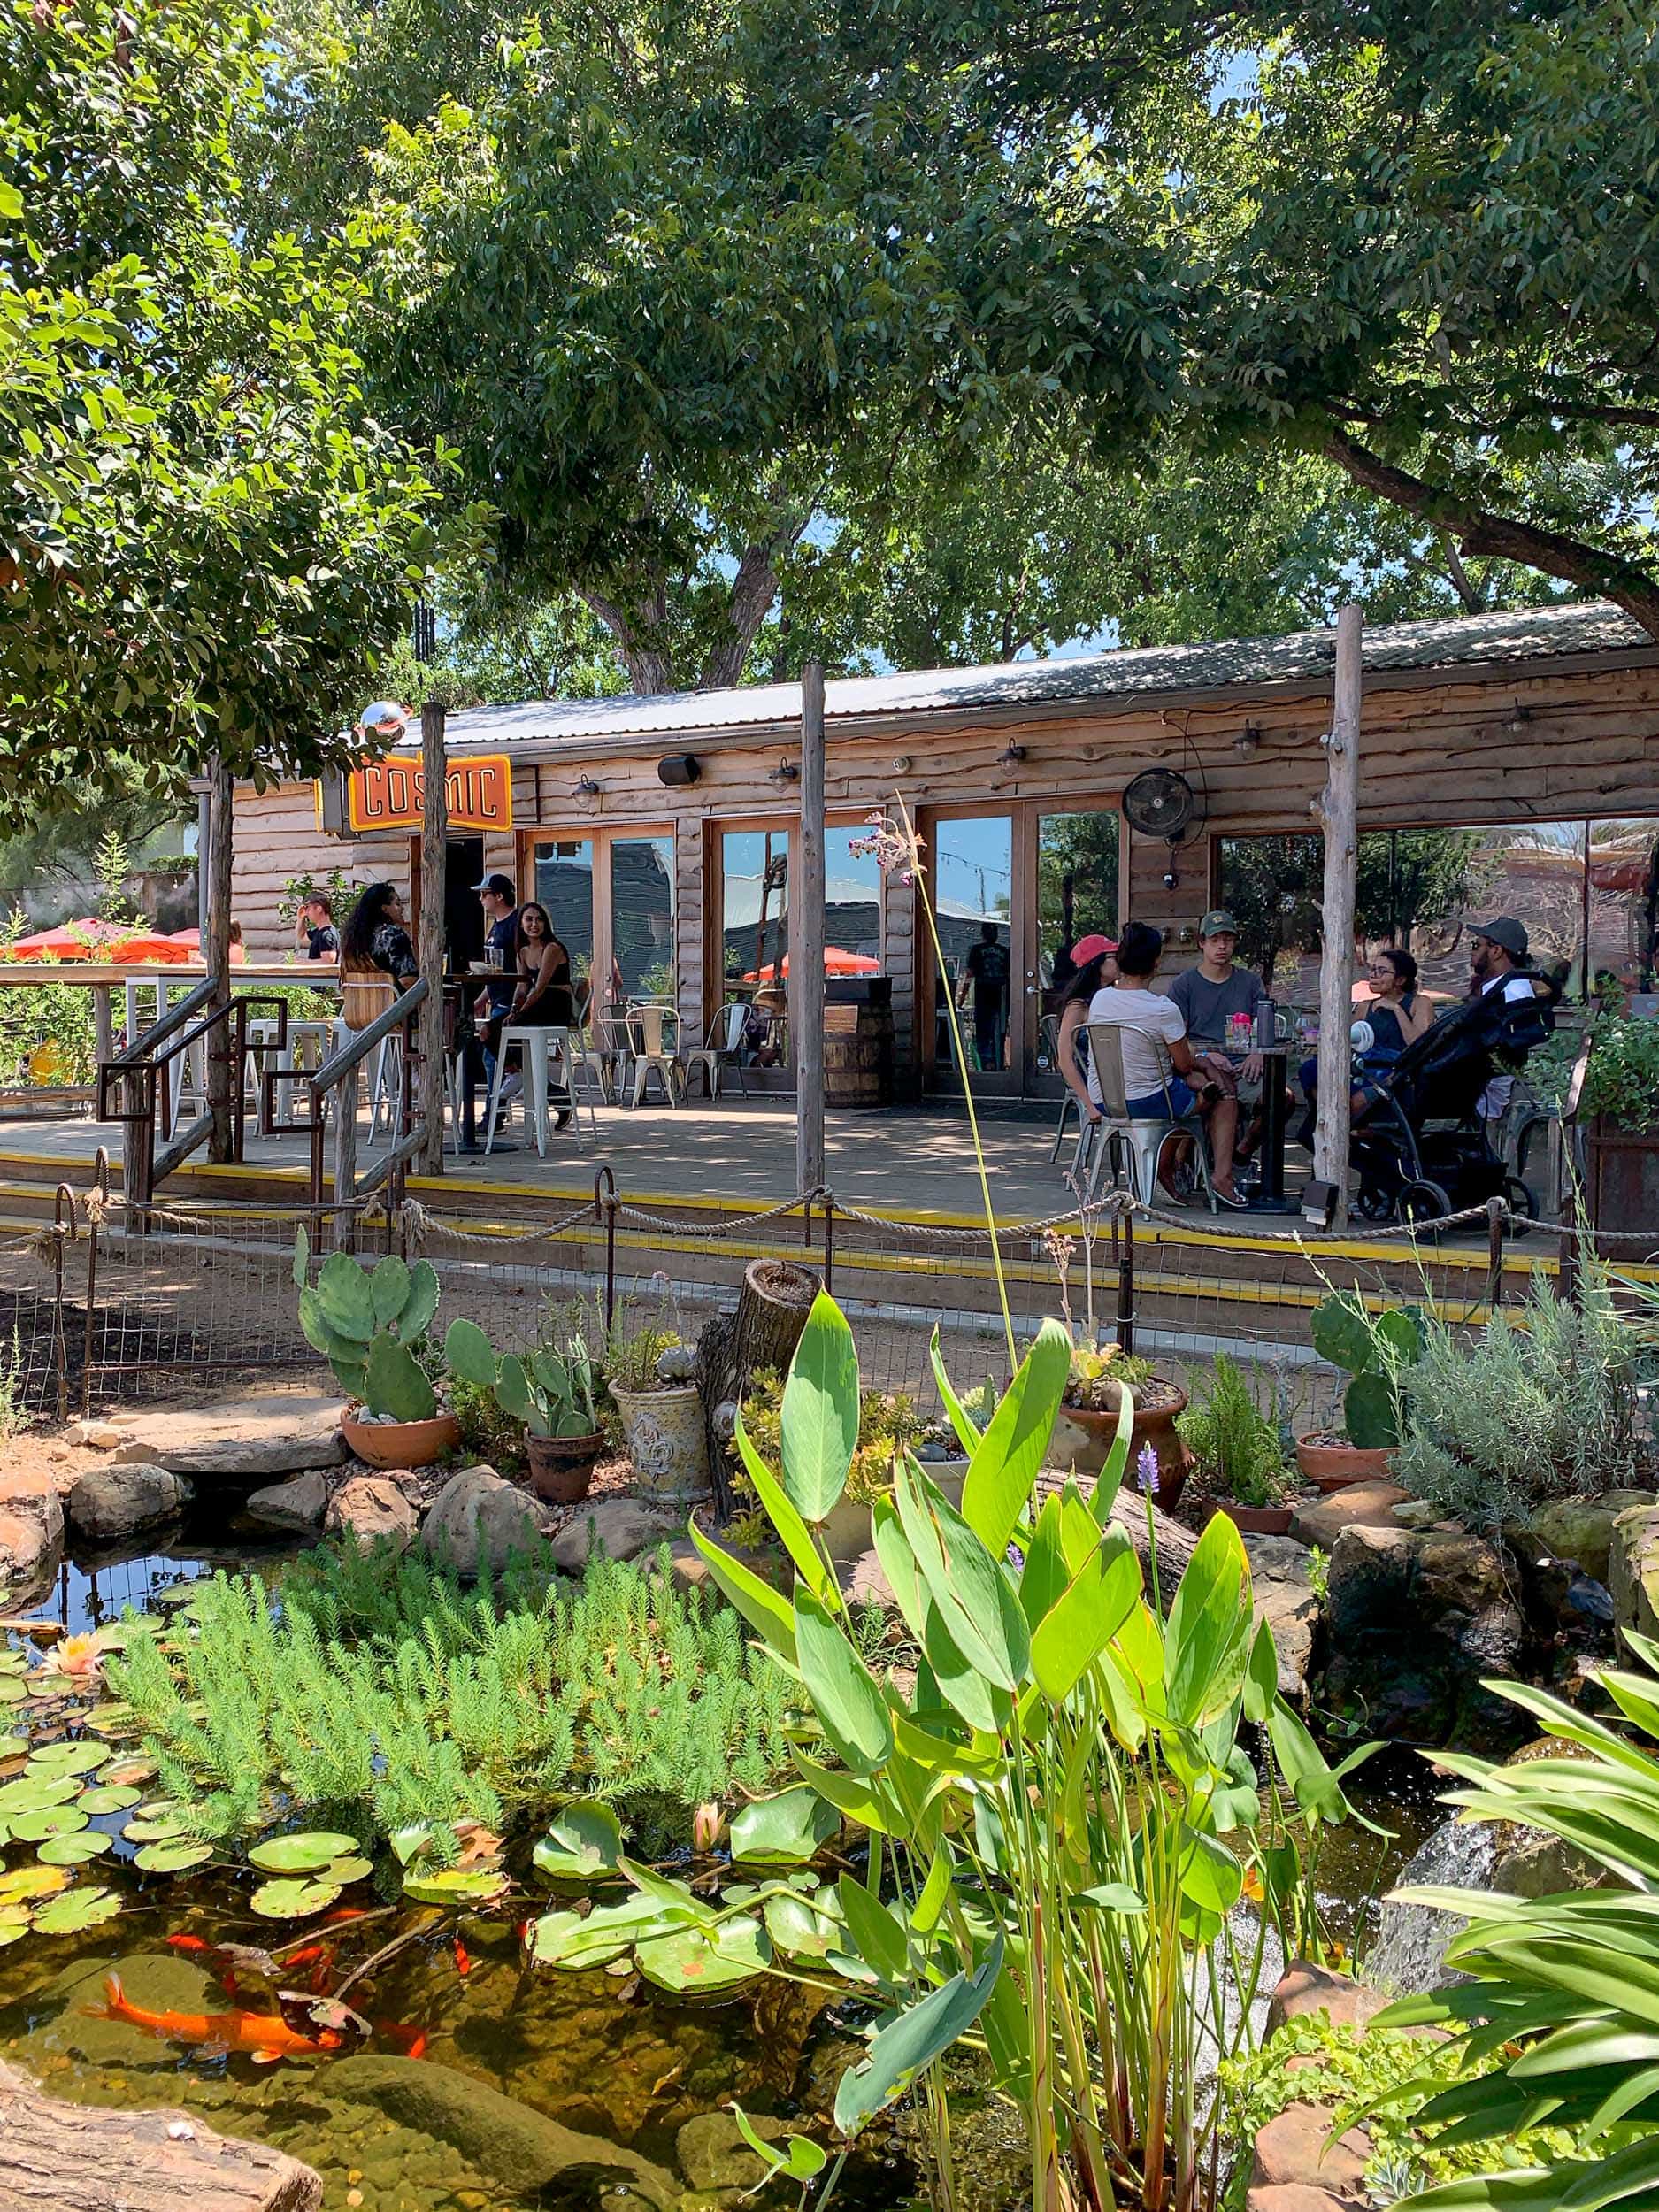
659, 830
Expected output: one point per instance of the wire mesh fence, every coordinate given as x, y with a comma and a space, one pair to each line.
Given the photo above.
164, 1303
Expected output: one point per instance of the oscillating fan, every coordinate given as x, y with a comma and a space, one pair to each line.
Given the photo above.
1159, 803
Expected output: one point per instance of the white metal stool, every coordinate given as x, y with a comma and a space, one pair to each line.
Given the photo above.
539, 1047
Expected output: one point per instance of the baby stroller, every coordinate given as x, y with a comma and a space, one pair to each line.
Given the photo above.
1422, 1150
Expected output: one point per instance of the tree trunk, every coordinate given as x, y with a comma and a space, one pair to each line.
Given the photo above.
429, 1017
771, 1310
1337, 809
806, 981
59, 2157
215, 941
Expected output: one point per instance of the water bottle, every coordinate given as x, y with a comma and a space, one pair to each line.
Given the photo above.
1266, 1024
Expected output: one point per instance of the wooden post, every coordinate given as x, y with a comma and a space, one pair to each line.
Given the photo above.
806, 1021
346, 1161
429, 1021
103, 1024
1337, 811
215, 939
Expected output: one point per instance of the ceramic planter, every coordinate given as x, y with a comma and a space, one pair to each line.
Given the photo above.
561, 1468
401, 1443
1257, 1520
1084, 1436
1333, 1466
666, 1441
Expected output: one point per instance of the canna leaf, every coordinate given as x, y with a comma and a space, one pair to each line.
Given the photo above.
909, 2045
1006, 1462
851, 1709
819, 1416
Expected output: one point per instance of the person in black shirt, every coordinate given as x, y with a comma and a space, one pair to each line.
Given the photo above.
314, 927
499, 896
985, 970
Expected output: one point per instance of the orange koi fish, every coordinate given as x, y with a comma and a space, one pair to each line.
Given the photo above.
462, 1957
266, 2037
411, 2041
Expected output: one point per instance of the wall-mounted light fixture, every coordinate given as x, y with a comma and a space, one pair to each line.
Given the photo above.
786, 771
587, 789
1248, 740
1518, 718
1011, 756
900, 764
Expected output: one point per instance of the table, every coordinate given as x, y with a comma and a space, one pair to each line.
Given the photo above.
1270, 1194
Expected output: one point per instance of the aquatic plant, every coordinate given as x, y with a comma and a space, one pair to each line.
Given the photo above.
378, 1695
1561, 1992
366, 1323
1061, 1818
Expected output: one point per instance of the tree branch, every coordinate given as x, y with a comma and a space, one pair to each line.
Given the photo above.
1478, 532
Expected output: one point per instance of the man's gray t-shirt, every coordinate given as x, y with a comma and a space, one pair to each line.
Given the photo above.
1206, 1006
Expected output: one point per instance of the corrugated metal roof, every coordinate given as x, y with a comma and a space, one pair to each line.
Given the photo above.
1535, 633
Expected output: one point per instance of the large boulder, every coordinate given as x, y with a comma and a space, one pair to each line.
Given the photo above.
1581, 1529
509, 2141
1321, 1520
278, 1432
110, 1502
1282, 1589
1415, 1618
622, 1528
1633, 1568
31, 1535
300, 1503
478, 1521
372, 1508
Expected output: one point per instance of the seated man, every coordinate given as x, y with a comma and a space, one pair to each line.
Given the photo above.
1134, 1005
1210, 997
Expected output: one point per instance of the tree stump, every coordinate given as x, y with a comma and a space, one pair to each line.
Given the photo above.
771, 1310
61, 2157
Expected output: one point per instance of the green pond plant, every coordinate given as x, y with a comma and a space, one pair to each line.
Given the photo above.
1060, 1818
366, 1322
1562, 1995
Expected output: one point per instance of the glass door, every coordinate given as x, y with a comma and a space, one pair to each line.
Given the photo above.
562, 880
1077, 898
971, 883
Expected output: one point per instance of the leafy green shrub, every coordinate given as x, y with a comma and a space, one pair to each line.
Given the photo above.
487, 1433
1235, 1443
378, 1695
889, 1423
1621, 1077
1541, 1405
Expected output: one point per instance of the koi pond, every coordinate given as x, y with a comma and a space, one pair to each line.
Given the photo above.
392, 2016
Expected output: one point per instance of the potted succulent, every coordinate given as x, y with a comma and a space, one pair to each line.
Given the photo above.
1087, 1425
1236, 1451
370, 1323
552, 1393
1373, 1350
651, 1376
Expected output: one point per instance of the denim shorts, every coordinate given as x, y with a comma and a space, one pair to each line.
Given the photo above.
1153, 1108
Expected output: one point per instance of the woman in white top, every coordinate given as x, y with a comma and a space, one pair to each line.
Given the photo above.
1135, 1007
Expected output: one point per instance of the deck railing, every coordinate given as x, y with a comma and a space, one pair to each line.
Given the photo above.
390, 1173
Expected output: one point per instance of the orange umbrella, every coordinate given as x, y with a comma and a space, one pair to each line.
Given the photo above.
836, 962
91, 939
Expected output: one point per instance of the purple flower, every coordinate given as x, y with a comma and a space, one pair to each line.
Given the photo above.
1146, 1475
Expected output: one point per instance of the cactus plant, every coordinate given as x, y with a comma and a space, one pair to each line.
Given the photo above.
1372, 1349
364, 1321
552, 1393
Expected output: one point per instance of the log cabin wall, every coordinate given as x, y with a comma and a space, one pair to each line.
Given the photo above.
1538, 742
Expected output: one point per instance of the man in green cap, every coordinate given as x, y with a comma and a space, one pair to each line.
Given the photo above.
1210, 997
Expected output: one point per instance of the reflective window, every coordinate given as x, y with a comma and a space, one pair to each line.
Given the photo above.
972, 888
1077, 888
642, 917
564, 885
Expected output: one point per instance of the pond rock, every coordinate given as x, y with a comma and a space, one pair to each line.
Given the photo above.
299, 1502
1632, 1572
374, 1510
713, 2155
478, 1522
111, 1502
275, 1432
31, 1534
622, 1528
1581, 1529
1282, 1591
1415, 1618
503, 2138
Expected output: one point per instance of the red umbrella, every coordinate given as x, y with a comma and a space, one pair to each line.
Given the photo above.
836, 962
91, 939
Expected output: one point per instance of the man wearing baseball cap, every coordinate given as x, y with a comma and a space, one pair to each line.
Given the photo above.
499, 896
1497, 951
1209, 995
1094, 963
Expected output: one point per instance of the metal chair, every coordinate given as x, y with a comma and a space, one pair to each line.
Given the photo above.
539, 1047
654, 1041
1141, 1140
722, 1047
1048, 1032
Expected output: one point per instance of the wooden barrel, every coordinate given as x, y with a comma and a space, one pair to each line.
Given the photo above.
857, 1056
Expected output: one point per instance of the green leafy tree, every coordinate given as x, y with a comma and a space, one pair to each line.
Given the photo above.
206, 537
1407, 879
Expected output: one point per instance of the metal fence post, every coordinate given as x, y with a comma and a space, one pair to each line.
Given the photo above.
605, 1211
1127, 1285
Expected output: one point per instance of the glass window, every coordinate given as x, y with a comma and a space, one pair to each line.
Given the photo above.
1077, 888
754, 938
642, 917
852, 904
973, 879
564, 885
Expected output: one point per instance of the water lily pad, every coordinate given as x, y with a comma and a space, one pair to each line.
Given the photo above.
454, 1886
579, 1943
686, 1960
75, 1909
784, 1830
69, 1758
148, 1826
794, 1926
113, 1720
75, 1850
355, 1869
173, 1856
14, 1747
29, 1881
305, 1854
584, 1843
32, 1793
12, 1931
106, 1797
292, 1899
13, 1689
55, 1820
127, 1769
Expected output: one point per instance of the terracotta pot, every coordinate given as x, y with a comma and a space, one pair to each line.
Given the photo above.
1333, 1466
561, 1468
1083, 1437
1257, 1520
401, 1443
666, 1441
